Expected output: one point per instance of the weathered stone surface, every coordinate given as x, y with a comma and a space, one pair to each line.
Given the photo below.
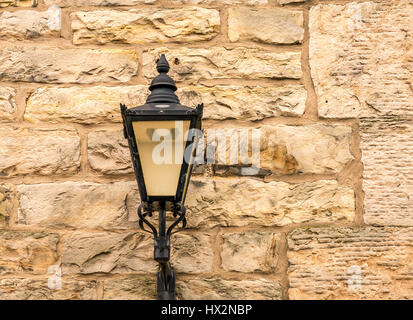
284, 149
28, 24
100, 104
268, 25
219, 289
246, 102
82, 3
221, 2
38, 151
350, 263
22, 251
368, 68
41, 64
108, 152
256, 250
247, 201
282, 2
387, 153
6, 203
79, 3
86, 105
191, 253
18, 3
8, 106
132, 252
197, 64
79, 205
102, 252
130, 288
37, 289
145, 25
315, 148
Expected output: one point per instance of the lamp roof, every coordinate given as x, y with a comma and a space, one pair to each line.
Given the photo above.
163, 100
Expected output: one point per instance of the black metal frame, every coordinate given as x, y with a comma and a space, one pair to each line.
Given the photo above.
162, 105
131, 115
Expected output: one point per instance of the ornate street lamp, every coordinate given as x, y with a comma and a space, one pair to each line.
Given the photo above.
162, 136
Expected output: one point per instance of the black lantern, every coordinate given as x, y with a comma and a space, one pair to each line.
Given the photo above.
162, 136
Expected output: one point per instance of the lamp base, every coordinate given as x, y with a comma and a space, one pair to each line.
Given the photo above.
166, 274
166, 295
166, 282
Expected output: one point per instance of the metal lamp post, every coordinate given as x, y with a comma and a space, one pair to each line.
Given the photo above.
162, 143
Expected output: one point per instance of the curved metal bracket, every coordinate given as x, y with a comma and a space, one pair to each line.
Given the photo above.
166, 274
181, 213
142, 220
178, 211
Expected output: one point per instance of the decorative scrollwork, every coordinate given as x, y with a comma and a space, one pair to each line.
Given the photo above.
178, 211
143, 220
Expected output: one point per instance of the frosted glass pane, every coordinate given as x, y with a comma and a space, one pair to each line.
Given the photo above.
161, 146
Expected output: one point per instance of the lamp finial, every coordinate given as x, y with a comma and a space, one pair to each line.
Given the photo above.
162, 87
162, 66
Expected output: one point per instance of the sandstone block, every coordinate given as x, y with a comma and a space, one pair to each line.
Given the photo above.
282, 2
220, 289
85, 105
138, 26
108, 152
79, 205
18, 3
247, 201
315, 148
23, 251
132, 253
191, 253
102, 252
284, 149
246, 102
366, 72
387, 150
194, 64
29, 24
37, 289
8, 106
38, 151
269, 25
350, 263
84, 3
221, 2
256, 250
100, 104
52, 65
130, 288
6, 203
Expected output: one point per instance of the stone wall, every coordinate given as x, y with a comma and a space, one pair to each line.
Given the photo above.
328, 83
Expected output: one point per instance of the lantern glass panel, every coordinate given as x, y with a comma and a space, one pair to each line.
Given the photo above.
161, 146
